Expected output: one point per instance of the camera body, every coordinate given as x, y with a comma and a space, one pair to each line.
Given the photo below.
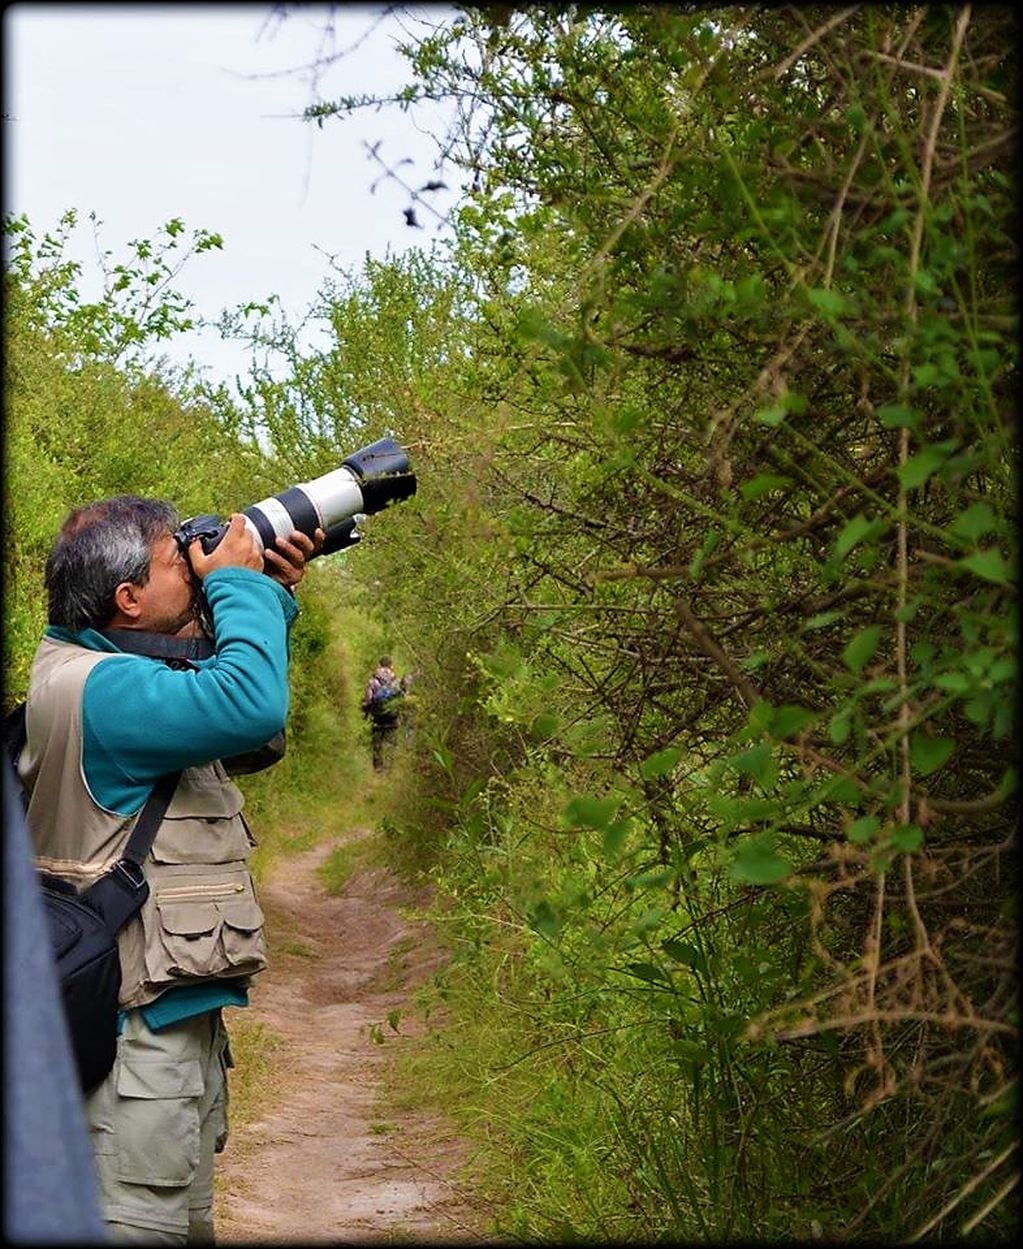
366, 482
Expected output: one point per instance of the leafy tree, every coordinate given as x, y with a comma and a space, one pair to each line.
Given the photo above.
89, 413
710, 581
93, 410
741, 364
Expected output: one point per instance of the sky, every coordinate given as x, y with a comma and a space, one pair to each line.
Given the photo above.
140, 113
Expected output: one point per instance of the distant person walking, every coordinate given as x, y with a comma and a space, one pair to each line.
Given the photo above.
380, 705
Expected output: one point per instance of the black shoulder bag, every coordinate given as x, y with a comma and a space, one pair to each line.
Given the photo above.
84, 928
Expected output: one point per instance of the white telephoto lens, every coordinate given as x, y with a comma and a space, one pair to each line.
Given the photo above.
276, 516
335, 496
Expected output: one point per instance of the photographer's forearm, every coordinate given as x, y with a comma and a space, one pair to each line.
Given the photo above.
234, 703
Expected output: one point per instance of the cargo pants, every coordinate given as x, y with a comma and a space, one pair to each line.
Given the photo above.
155, 1124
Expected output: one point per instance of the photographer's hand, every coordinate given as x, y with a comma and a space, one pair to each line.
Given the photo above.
287, 564
238, 548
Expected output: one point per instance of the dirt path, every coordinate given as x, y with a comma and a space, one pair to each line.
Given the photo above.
321, 1164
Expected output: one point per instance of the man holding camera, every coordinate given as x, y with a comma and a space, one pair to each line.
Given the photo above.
110, 710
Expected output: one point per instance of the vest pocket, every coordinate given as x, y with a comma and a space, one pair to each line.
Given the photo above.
189, 931
242, 922
205, 928
201, 839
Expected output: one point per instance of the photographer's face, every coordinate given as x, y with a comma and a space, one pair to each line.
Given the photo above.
166, 602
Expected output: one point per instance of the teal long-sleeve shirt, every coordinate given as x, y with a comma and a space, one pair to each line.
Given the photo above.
142, 719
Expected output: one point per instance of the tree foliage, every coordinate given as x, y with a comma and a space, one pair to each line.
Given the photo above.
710, 582
741, 364
92, 409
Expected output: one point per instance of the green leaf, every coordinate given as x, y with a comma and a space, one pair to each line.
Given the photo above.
707, 547
626, 420
985, 359
924, 282
977, 520
1006, 1104
759, 719
822, 619
788, 721
926, 375
841, 789
853, 532
898, 416
793, 401
772, 416
533, 326
761, 484
660, 763
505, 661
980, 707
840, 726
650, 973
927, 754
724, 809
544, 726
895, 220
648, 921
751, 289
589, 812
684, 953
978, 662
733, 812
919, 468
614, 837
543, 919
690, 1051
653, 878
908, 837
990, 565
757, 863
758, 762
861, 648
954, 682
863, 829
830, 302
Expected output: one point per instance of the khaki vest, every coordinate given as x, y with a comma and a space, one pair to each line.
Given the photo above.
201, 920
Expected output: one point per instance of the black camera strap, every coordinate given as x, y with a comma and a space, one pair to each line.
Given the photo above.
163, 646
142, 835
119, 893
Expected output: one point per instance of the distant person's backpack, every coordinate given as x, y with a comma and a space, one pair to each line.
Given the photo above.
384, 692
382, 695
84, 927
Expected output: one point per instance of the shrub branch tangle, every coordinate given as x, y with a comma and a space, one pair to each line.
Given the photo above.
743, 360
710, 581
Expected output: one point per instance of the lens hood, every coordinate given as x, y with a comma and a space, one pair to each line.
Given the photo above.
384, 472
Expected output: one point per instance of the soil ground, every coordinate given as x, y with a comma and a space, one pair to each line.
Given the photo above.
325, 1161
